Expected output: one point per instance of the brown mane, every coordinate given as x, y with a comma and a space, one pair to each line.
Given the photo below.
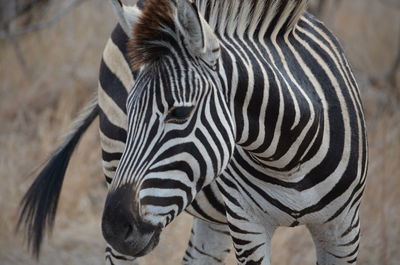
142, 49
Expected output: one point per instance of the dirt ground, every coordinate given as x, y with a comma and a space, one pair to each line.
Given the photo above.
46, 76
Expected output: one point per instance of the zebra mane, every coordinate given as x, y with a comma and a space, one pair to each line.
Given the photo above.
145, 46
225, 17
229, 17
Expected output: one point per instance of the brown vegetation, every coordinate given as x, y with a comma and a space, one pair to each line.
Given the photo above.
41, 93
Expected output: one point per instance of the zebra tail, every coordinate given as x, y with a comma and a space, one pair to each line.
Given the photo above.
39, 205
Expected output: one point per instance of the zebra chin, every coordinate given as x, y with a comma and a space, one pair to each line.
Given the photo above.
122, 227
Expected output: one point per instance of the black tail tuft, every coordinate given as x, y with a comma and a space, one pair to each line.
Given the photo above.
39, 204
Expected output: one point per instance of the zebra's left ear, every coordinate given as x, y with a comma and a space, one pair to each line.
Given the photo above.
127, 15
198, 36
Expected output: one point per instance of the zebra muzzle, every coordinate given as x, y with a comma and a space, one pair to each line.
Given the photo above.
123, 229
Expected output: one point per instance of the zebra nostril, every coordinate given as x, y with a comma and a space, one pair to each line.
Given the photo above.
128, 233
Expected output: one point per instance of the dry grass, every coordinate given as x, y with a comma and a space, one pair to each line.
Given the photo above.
37, 104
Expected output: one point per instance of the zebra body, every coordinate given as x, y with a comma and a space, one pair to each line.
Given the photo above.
300, 154
247, 115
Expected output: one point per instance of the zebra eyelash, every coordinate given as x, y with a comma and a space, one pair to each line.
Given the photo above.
179, 115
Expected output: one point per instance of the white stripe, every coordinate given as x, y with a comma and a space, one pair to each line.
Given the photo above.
111, 145
117, 64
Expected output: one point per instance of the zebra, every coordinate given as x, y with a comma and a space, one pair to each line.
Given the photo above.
252, 104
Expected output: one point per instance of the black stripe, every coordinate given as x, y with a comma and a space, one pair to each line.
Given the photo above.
120, 39
108, 157
112, 86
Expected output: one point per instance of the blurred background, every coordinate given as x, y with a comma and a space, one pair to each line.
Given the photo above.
49, 57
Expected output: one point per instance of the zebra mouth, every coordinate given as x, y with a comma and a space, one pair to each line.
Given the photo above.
137, 245
151, 244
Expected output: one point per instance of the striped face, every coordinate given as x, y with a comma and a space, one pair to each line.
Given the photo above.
180, 132
180, 137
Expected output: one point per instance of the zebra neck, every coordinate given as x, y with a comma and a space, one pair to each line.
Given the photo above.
268, 118
238, 17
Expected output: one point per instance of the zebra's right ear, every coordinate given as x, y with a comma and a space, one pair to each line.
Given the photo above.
127, 16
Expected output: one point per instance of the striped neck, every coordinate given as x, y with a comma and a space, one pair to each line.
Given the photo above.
269, 104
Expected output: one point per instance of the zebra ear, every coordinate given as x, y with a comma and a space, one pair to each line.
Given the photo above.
127, 16
199, 38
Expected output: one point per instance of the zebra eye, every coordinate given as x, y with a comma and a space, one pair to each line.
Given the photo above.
179, 115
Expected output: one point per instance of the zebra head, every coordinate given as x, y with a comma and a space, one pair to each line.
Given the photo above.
180, 132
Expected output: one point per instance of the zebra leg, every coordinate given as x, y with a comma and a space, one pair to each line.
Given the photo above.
337, 242
252, 242
112, 257
209, 244
251, 235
